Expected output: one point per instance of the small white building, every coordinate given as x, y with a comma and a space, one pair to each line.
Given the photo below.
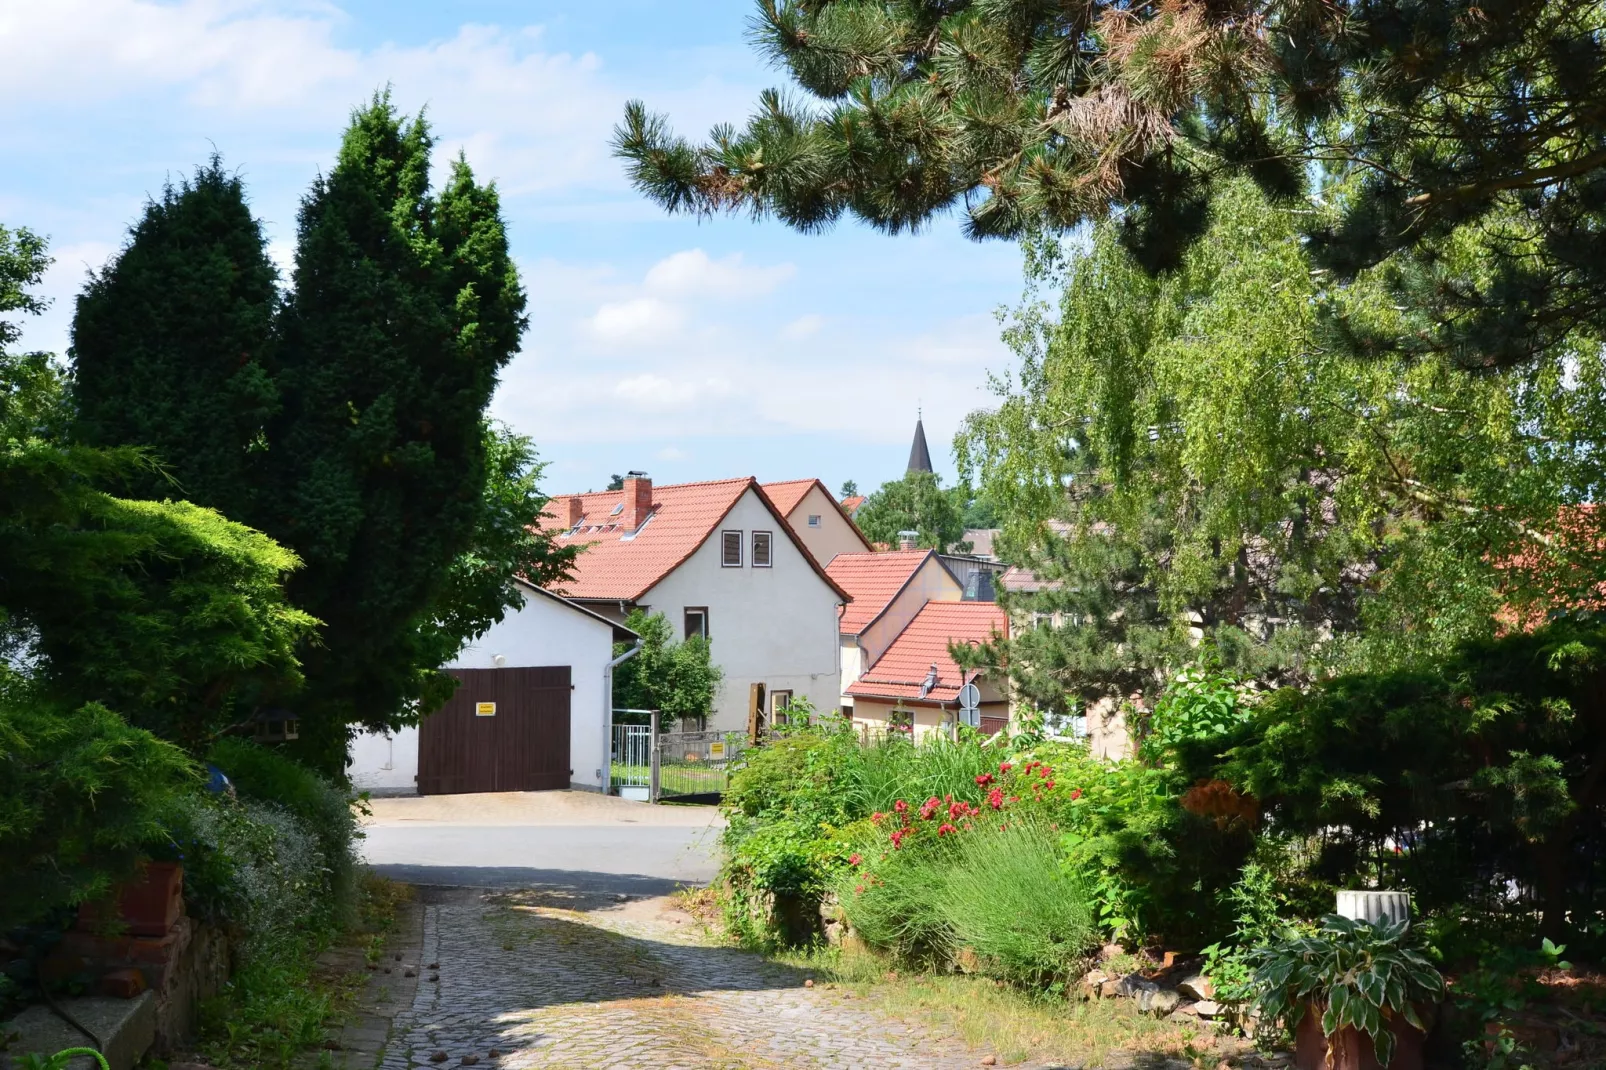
547, 632
718, 559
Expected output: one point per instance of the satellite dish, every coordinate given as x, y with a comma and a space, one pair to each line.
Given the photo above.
970, 696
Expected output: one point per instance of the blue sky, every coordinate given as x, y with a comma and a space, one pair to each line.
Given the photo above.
692, 350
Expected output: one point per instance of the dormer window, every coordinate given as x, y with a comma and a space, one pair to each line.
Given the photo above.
731, 549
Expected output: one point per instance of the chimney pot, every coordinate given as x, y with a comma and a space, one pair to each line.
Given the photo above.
907, 539
638, 499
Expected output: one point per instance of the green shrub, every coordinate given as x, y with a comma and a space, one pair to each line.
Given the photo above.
1006, 896
324, 810
81, 794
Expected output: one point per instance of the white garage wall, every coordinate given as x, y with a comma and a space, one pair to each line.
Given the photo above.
545, 631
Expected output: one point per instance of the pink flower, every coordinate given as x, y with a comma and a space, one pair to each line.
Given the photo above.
945, 828
875, 818
859, 888
929, 809
995, 798
983, 779
901, 806
854, 860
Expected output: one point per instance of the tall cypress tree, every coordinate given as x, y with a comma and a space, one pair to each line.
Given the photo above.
405, 305
171, 339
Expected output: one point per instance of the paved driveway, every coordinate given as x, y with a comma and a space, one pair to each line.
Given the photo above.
557, 840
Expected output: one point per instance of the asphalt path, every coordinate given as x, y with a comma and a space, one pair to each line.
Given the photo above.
559, 841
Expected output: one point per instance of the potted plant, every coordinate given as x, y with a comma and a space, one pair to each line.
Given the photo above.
1353, 993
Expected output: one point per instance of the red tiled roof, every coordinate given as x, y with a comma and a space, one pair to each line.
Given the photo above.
873, 580
620, 564
786, 495
851, 505
902, 670
789, 494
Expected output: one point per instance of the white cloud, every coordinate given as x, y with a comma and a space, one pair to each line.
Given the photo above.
656, 393
672, 453
803, 327
693, 273
643, 320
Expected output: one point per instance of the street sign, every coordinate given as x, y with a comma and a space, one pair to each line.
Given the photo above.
970, 696
485, 709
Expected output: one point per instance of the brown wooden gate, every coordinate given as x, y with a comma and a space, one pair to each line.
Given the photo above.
522, 746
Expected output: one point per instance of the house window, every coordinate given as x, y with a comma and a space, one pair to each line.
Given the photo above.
697, 621
732, 545
814, 520
780, 702
761, 549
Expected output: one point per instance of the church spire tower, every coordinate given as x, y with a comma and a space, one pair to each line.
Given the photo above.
919, 455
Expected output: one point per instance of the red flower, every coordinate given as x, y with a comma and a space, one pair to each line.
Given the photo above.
901, 806
1004, 767
995, 798
929, 809
1014, 798
1076, 793
897, 838
875, 818
853, 860
983, 779
1049, 784
1044, 769
859, 888
945, 828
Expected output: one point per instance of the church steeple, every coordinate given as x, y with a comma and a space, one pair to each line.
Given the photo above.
919, 455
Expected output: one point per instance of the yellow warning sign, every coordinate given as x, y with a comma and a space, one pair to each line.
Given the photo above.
485, 709
716, 750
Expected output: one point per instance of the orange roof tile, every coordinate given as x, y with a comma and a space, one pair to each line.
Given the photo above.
902, 670
620, 564
786, 495
873, 580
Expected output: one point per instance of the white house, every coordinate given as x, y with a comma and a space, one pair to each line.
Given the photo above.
718, 559
547, 631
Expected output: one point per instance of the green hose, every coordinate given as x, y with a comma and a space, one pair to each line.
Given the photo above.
61, 1057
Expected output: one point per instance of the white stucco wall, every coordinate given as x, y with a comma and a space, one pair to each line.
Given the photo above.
776, 626
542, 632
835, 535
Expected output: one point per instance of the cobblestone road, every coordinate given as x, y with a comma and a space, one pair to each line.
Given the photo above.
528, 981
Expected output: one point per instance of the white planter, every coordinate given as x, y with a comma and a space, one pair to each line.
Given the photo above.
1375, 907
634, 792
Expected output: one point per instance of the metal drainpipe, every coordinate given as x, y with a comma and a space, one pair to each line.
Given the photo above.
607, 713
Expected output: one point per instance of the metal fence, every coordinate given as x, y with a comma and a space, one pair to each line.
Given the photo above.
695, 765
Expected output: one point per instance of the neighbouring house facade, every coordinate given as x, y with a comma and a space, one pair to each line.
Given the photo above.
888, 590
916, 683
545, 632
817, 518
718, 559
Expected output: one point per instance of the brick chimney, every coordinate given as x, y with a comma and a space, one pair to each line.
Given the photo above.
906, 539
638, 499
574, 510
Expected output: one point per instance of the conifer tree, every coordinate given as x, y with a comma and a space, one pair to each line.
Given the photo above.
171, 342
405, 306
1422, 121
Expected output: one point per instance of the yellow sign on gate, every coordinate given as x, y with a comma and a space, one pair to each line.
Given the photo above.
716, 750
485, 709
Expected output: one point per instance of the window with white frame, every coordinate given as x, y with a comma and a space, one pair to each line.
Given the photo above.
814, 520
697, 621
761, 549
731, 544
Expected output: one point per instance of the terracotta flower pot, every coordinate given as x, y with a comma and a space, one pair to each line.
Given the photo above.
1352, 1049
148, 905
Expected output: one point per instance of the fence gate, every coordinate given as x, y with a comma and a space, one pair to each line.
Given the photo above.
630, 767
502, 730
